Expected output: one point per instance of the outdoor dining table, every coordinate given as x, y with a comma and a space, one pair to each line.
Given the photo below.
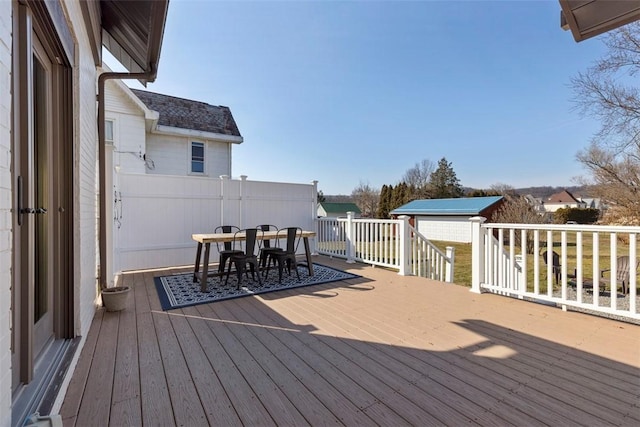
207, 239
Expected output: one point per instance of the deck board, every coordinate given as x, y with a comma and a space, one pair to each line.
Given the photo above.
96, 402
381, 349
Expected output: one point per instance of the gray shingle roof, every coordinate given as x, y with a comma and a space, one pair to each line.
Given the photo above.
188, 114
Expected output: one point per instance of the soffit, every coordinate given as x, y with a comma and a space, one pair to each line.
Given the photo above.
132, 31
589, 18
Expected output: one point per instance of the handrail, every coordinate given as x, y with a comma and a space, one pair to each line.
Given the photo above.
391, 243
507, 259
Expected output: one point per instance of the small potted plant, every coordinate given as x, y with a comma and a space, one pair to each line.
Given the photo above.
115, 297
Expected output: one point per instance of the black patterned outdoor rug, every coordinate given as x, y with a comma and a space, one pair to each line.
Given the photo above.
179, 290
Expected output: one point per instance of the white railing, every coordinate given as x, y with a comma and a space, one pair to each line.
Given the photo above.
427, 260
391, 243
518, 260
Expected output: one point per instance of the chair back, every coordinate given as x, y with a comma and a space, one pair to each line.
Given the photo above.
623, 267
555, 259
267, 227
252, 238
225, 229
293, 236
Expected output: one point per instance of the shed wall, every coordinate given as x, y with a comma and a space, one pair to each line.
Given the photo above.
448, 228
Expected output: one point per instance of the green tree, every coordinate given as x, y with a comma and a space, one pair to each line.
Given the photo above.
321, 197
399, 196
384, 207
444, 182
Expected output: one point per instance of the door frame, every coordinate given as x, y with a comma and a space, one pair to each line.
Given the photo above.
41, 20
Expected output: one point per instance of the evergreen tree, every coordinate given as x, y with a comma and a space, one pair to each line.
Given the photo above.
444, 182
384, 207
400, 196
321, 197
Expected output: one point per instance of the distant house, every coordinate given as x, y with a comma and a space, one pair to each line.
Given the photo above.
592, 203
160, 134
563, 200
337, 210
536, 203
448, 219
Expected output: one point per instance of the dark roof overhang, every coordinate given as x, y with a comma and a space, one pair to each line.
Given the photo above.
589, 18
131, 31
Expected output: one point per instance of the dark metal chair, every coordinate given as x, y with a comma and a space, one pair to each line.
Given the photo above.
225, 249
555, 264
252, 242
267, 247
288, 255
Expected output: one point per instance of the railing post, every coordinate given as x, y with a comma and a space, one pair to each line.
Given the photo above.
224, 179
477, 252
405, 247
351, 238
448, 274
314, 215
242, 201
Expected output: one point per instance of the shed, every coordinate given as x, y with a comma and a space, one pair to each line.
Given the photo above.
337, 210
448, 219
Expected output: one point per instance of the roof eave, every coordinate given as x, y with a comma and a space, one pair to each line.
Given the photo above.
192, 133
135, 40
588, 19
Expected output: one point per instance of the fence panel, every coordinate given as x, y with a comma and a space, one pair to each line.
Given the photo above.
155, 215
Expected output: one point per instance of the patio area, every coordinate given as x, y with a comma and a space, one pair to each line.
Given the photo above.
382, 349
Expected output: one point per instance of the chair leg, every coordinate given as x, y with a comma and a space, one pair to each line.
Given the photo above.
228, 273
240, 268
280, 268
255, 267
295, 267
223, 261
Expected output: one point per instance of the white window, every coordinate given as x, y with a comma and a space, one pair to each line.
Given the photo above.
197, 157
108, 132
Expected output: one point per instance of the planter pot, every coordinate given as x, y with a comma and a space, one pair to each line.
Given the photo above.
115, 298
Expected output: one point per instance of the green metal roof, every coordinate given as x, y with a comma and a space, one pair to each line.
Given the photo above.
457, 206
330, 207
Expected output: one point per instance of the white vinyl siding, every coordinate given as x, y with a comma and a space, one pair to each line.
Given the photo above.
128, 130
171, 155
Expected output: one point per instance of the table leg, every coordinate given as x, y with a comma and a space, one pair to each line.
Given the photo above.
196, 268
205, 268
307, 253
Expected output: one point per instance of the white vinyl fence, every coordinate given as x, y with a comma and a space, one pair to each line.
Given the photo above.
154, 216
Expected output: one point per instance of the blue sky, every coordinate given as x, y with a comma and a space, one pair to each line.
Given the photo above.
361, 91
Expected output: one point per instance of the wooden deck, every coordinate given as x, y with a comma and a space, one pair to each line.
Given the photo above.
379, 350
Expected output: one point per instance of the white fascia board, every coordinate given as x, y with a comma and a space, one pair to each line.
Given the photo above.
192, 133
